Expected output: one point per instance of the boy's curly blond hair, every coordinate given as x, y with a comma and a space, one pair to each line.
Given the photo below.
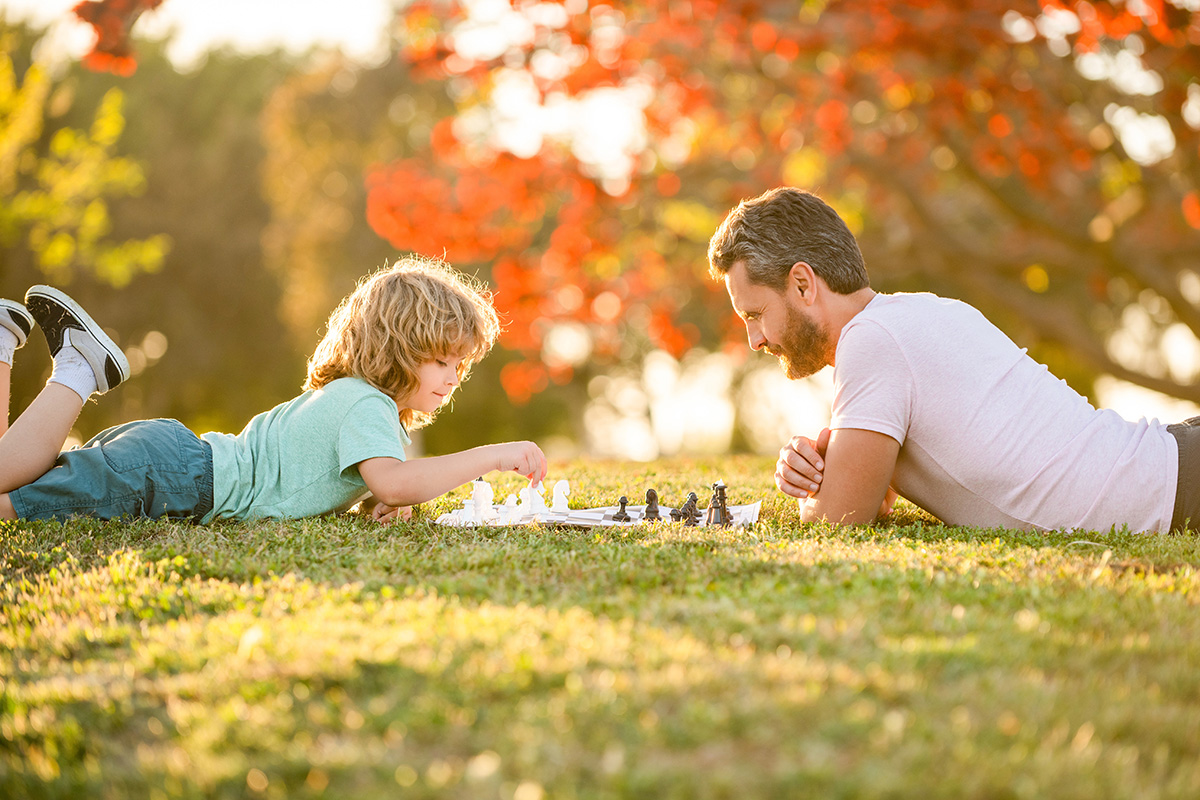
400, 318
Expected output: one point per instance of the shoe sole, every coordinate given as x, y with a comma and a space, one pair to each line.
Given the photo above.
16, 318
56, 313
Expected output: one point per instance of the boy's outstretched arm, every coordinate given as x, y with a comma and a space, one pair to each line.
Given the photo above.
855, 484
405, 483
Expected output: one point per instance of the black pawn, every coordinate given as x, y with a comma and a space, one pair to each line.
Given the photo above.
651, 506
621, 514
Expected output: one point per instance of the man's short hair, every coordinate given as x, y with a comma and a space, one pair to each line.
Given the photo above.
781, 227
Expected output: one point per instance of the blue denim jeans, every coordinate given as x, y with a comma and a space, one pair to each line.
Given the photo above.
150, 468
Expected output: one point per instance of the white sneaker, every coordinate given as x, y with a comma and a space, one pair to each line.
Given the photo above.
64, 322
15, 317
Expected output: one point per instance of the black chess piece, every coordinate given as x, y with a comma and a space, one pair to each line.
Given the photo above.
718, 508
691, 511
621, 514
681, 514
651, 513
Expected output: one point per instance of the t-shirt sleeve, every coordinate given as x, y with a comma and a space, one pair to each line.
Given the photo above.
873, 386
371, 429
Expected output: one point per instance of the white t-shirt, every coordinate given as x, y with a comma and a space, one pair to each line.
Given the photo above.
987, 435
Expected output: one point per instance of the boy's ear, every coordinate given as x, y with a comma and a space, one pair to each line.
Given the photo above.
802, 280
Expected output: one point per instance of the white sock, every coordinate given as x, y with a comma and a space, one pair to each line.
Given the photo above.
8, 345
72, 370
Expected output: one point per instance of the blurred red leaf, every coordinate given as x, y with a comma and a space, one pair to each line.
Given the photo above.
112, 21
1191, 209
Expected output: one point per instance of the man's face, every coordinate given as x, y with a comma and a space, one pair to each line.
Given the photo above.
778, 323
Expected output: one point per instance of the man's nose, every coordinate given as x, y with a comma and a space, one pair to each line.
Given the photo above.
755, 335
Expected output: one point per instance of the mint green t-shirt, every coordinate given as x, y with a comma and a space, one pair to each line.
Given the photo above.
300, 458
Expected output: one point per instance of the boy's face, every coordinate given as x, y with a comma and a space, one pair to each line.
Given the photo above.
436, 379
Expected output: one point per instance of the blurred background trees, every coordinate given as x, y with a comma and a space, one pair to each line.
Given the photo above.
1038, 159
199, 322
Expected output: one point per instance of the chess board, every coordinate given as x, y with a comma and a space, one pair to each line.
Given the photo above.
601, 517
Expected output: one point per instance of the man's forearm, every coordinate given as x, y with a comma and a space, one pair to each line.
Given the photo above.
859, 465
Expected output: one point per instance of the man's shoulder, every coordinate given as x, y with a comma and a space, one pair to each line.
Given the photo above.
912, 326
905, 314
913, 302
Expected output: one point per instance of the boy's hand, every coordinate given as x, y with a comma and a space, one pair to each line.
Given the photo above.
801, 465
523, 458
385, 514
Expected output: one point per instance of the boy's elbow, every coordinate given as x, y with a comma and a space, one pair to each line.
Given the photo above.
387, 482
393, 499
396, 495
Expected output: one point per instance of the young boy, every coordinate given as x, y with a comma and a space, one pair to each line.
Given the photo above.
394, 352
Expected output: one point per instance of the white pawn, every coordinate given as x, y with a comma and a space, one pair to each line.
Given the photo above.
466, 516
562, 490
508, 514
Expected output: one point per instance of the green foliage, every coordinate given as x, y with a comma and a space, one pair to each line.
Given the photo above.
335, 658
55, 197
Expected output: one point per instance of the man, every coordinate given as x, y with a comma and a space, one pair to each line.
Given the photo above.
932, 401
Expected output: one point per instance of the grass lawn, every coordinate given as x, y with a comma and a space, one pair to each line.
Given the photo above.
337, 658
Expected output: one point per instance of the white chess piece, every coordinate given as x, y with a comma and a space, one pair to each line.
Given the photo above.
538, 496
562, 490
508, 514
466, 516
527, 509
481, 498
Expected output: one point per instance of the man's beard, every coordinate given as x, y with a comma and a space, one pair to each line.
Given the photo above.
802, 350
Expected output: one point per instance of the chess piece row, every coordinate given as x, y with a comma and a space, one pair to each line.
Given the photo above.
529, 502
688, 513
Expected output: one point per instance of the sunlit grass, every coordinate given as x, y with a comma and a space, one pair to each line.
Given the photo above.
337, 658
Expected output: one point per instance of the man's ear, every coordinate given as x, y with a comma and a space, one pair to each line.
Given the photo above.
803, 280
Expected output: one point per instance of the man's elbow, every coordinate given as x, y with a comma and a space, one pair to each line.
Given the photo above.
815, 511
